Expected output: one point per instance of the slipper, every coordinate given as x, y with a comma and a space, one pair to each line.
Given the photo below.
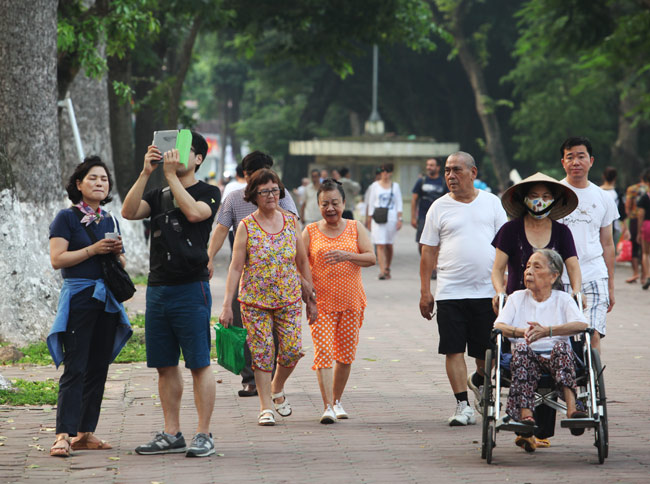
542, 443
632, 279
578, 414
528, 421
61, 447
266, 418
84, 444
284, 409
527, 443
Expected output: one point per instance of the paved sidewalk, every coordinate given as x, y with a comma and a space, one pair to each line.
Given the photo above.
398, 398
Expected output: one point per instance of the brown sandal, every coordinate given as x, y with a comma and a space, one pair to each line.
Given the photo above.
61, 447
85, 444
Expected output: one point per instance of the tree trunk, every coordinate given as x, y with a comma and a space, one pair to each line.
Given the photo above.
30, 177
181, 69
91, 103
491, 128
625, 151
121, 121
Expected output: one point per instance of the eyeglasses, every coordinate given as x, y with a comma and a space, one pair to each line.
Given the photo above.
273, 191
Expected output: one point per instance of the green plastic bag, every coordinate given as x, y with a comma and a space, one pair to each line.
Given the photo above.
230, 347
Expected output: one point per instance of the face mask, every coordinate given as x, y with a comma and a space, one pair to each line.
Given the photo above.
538, 208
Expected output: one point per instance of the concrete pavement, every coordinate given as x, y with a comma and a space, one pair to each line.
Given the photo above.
398, 398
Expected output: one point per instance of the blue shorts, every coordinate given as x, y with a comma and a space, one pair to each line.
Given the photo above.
178, 318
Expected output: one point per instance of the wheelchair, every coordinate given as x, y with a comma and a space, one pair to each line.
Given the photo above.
590, 391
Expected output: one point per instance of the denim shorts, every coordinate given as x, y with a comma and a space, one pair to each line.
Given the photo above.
178, 318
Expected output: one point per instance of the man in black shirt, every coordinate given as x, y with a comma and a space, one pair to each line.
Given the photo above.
178, 293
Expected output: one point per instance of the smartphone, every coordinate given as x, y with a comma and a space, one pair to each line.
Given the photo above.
164, 141
112, 235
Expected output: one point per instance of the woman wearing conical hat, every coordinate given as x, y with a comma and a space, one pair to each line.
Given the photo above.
534, 205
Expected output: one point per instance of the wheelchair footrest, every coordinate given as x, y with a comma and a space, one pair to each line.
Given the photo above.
578, 423
512, 426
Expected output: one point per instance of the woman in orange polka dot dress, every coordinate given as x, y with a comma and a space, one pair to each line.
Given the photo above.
337, 250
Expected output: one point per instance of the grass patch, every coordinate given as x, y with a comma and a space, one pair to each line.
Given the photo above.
138, 321
134, 350
35, 354
140, 280
30, 393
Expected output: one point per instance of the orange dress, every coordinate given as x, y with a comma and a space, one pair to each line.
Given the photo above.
339, 287
340, 297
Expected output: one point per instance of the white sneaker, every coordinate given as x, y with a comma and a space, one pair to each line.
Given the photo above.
464, 415
339, 411
329, 417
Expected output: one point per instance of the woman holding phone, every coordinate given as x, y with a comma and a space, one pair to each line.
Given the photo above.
90, 327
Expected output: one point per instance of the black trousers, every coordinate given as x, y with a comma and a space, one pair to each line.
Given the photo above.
87, 345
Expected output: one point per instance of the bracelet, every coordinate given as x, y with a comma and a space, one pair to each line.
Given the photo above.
550, 331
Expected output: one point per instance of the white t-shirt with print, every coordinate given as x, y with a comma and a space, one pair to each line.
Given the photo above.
559, 308
596, 209
381, 197
464, 232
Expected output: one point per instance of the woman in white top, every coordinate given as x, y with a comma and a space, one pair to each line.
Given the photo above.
539, 320
384, 193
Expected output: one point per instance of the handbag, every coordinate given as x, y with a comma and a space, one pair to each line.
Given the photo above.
624, 249
380, 214
115, 277
230, 343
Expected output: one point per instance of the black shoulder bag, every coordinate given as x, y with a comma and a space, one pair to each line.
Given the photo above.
184, 251
380, 214
115, 277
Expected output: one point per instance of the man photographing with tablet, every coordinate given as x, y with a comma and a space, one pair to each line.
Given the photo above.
178, 292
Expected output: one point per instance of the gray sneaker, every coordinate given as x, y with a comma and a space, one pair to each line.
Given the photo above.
202, 446
163, 444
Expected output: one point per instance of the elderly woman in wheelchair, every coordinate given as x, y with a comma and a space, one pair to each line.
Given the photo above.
539, 321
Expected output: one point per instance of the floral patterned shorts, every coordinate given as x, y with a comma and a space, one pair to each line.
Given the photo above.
262, 323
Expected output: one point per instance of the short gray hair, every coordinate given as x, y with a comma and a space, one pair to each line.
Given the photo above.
466, 157
555, 264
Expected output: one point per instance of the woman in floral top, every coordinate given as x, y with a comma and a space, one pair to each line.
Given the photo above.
269, 257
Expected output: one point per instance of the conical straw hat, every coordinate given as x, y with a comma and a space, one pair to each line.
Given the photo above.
566, 200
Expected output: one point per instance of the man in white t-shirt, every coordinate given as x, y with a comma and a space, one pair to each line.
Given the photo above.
457, 241
591, 227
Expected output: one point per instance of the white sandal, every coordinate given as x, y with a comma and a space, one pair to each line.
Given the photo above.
284, 409
266, 418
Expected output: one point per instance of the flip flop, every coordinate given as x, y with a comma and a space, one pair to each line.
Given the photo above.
578, 414
528, 421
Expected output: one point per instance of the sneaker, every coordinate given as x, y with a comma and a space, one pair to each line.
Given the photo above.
329, 417
478, 393
339, 411
202, 446
163, 444
464, 415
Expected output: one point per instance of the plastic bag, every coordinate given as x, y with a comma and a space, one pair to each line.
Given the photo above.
624, 249
230, 347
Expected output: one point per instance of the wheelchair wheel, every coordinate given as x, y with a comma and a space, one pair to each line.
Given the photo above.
601, 401
490, 443
601, 444
487, 387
